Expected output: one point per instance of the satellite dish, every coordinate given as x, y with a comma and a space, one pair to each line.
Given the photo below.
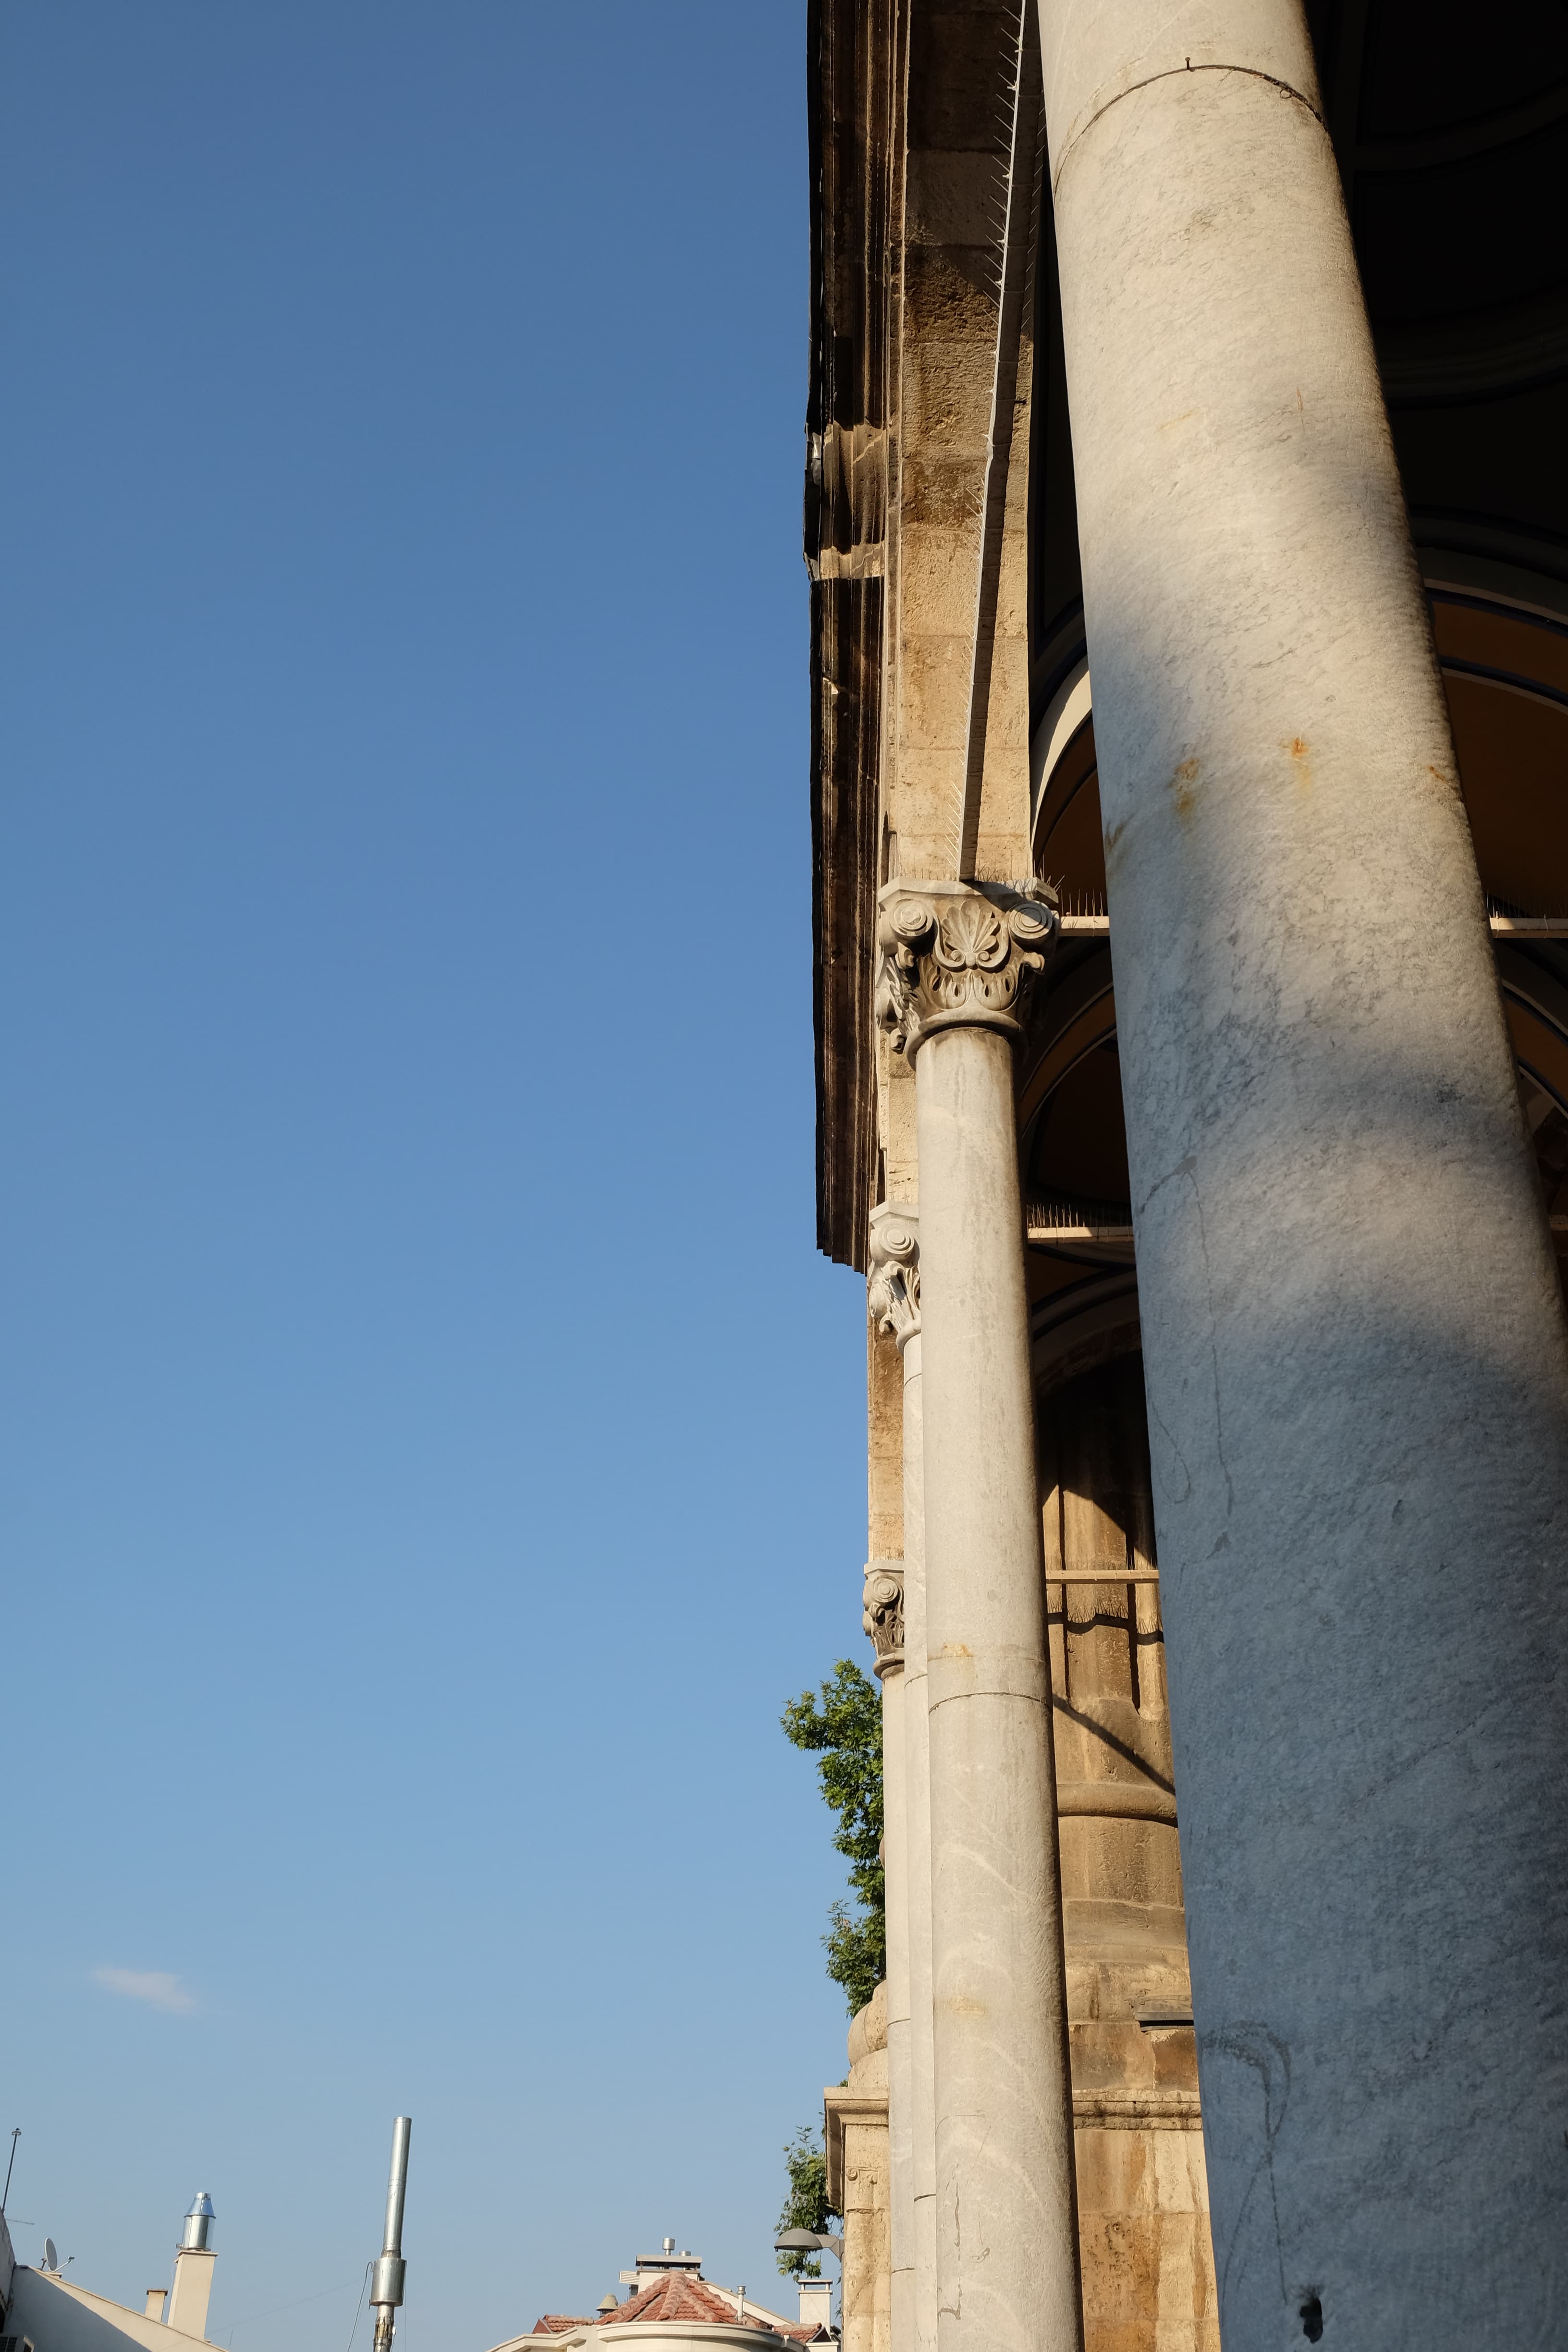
52, 2258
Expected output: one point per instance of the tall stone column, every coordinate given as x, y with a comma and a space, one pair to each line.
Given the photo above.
954, 964
1354, 1353
854, 2141
896, 1300
883, 1617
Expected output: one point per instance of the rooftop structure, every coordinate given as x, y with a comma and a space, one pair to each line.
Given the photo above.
53, 2312
670, 2296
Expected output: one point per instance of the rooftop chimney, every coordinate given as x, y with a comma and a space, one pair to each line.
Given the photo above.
194, 2260
817, 2302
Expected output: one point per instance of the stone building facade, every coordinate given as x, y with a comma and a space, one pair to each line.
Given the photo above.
1187, 529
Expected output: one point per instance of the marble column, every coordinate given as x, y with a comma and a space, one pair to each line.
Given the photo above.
883, 1618
954, 962
1354, 1353
896, 1301
854, 2121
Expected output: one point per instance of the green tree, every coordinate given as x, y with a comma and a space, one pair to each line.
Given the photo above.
844, 1728
806, 2206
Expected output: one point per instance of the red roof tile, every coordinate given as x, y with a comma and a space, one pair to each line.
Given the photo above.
555, 2323
676, 2294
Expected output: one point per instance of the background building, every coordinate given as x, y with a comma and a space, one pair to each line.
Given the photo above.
54, 2313
677, 2305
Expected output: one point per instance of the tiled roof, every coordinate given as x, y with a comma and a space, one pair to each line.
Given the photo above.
676, 2294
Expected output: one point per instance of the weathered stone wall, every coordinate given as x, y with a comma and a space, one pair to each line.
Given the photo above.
1142, 2197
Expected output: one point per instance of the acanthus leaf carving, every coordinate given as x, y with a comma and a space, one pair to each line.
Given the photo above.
893, 1284
950, 955
882, 1612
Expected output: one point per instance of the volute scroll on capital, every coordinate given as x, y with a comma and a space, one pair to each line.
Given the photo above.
893, 1284
956, 955
882, 1613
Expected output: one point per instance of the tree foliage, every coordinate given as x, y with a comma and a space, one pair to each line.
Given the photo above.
806, 2206
843, 1726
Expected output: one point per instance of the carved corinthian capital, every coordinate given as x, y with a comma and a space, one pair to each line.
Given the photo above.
883, 1614
893, 1284
953, 956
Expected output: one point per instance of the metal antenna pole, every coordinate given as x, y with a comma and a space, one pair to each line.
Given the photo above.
387, 2286
16, 2136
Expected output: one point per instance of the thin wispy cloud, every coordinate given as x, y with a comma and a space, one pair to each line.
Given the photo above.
156, 1986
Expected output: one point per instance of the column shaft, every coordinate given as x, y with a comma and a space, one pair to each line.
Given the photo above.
896, 1876
1354, 1343
893, 1299
917, 1816
1006, 2232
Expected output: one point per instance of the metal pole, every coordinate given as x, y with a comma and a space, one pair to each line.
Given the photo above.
387, 2287
16, 2136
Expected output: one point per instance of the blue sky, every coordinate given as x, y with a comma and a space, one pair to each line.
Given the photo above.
433, 1451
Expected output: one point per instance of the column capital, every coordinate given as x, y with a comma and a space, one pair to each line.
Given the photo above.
882, 1614
953, 955
893, 1285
